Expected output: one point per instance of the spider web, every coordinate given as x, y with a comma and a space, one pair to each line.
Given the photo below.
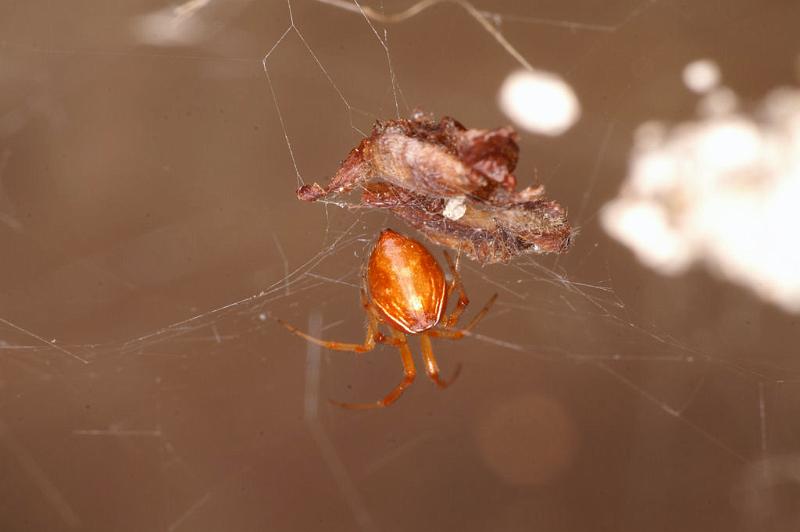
136, 351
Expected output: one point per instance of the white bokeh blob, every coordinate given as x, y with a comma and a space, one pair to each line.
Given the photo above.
701, 76
539, 102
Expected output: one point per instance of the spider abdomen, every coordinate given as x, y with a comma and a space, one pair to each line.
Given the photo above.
406, 283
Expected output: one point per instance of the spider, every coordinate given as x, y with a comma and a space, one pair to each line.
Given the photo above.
409, 292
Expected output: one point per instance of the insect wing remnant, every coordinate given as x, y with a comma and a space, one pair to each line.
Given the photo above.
418, 169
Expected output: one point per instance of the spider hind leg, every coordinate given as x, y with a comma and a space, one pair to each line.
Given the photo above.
409, 374
432, 367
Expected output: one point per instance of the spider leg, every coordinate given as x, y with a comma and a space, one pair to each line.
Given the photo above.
409, 373
456, 334
455, 284
431, 367
369, 341
365, 301
480, 315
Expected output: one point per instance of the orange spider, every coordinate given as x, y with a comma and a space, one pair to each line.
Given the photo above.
409, 292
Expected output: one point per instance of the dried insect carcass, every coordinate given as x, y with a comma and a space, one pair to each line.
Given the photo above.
486, 231
417, 168
438, 159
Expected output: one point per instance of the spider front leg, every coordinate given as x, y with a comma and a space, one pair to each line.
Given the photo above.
456, 334
372, 334
455, 284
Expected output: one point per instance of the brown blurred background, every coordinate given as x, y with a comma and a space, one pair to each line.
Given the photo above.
148, 223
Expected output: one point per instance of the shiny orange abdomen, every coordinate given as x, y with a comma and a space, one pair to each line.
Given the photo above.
406, 283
